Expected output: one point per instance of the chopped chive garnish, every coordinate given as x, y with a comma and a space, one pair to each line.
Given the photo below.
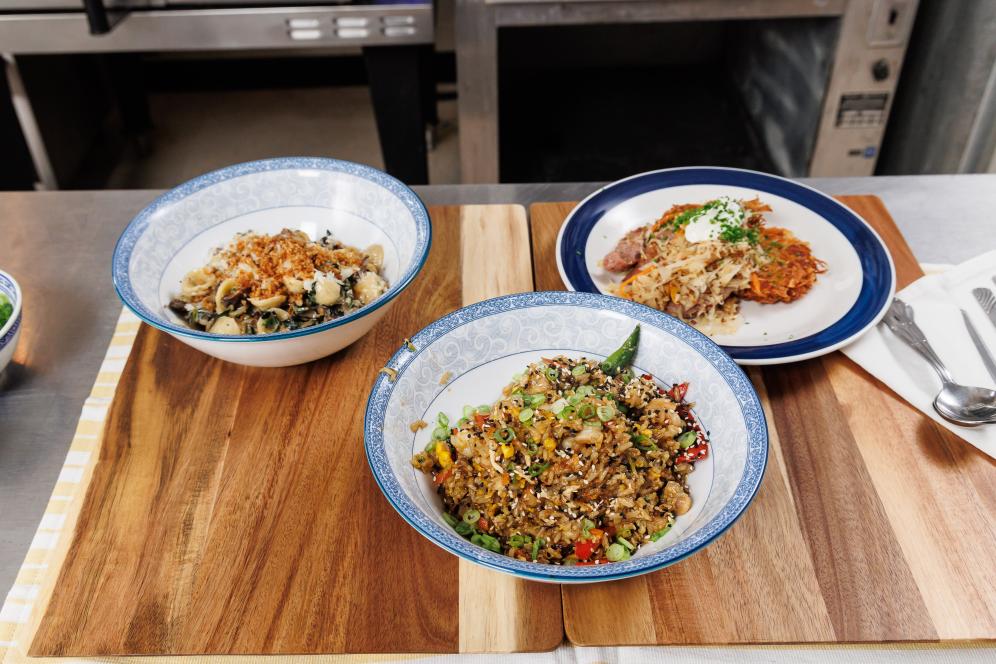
505, 435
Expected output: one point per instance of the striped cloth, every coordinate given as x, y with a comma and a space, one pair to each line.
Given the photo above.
21, 611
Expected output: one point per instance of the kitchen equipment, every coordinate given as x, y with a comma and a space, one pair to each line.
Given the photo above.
849, 539
987, 358
809, 84
960, 404
394, 35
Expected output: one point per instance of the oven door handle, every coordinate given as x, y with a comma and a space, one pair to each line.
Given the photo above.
100, 20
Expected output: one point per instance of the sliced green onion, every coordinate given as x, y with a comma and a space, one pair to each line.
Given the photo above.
525, 414
487, 541
687, 439
516, 377
568, 411
537, 469
626, 543
661, 533
585, 391
451, 520
471, 516
616, 553
605, 413
484, 409
505, 435
574, 399
463, 528
623, 408
536, 400
593, 424
468, 411
462, 421
516, 541
440, 433
551, 374
537, 543
531, 446
443, 420
586, 411
586, 526
431, 446
579, 371
558, 406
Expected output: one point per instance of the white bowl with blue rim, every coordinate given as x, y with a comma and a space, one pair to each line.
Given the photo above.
360, 205
10, 331
848, 299
481, 346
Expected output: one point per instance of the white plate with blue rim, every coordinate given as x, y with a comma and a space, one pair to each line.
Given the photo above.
851, 297
481, 346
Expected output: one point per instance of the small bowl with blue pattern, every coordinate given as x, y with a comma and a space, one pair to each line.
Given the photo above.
477, 350
10, 313
177, 232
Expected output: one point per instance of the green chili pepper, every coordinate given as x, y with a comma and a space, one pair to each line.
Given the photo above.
516, 541
623, 356
551, 374
537, 469
471, 516
463, 528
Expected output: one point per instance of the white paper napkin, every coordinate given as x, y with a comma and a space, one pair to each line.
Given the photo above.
937, 300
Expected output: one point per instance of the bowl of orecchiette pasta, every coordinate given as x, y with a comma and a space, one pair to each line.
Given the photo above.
274, 262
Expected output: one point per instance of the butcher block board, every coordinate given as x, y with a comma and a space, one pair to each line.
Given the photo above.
232, 511
872, 523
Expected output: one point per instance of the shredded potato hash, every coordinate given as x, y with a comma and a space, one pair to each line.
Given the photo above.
701, 280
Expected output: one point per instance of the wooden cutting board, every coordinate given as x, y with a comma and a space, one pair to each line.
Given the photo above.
872, 523
232, 510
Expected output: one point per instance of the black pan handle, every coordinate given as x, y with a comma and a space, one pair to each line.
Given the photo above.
97, 17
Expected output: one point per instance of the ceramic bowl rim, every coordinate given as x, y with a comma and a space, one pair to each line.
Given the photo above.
139, 224
747, 485
16, 313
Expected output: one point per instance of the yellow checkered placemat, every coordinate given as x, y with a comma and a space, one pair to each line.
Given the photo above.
21, 612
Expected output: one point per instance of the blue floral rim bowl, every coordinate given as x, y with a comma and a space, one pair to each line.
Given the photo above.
10, 331
359, 204
477, 349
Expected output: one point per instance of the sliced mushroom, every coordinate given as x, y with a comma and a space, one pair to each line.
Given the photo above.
221, 296
327, 292
280, 313
267, 303
225, 325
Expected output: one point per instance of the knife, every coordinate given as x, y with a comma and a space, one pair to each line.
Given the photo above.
987, 358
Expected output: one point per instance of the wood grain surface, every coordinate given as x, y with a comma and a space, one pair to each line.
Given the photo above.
232, 510
871, 525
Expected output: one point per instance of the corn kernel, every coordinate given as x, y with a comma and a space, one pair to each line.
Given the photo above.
443, 455
507, 451
549, 443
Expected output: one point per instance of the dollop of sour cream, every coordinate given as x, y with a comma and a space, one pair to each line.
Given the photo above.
708, 223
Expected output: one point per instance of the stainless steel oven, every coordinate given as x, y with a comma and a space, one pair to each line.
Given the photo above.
395, 38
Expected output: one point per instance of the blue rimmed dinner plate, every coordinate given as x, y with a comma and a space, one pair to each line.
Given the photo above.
848, 299
477, 349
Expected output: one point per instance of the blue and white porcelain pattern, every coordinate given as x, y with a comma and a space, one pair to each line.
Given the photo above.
471, 342
850, 298
10, 332
178, 230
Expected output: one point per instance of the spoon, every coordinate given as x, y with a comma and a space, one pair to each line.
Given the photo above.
959, 404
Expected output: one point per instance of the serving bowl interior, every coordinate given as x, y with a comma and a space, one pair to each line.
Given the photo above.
479, 348
176, 233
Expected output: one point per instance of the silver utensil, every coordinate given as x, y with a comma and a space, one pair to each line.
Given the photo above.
987, 301
987, 358
960, 404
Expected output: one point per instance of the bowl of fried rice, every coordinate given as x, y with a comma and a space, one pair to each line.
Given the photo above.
566, 437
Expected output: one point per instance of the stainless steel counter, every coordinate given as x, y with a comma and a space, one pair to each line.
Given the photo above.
58, 245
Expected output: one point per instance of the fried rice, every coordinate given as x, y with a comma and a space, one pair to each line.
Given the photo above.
573, 465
